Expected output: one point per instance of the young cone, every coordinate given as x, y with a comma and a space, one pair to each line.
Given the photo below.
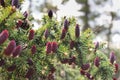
63, 34
66, 24
77, 31
3, 36
33, 49
96, 45
112, 57
48, 47
50, 13
97, 61
10, 48
116, 67
54, 47
72, 44
25, 14
46, 33
17, 51
31, 34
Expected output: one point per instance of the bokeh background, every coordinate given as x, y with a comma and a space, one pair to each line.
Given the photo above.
101, 16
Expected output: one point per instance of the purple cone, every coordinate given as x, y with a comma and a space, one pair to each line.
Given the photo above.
77, 31
112, 57
10, 48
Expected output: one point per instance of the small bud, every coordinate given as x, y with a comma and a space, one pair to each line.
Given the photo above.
33, 49
97, 61
85, 66
48, 47
72, 44
54, 47
17, 51
46, 33
11, 68
116, 67
31, 34
15, 3
2, 3
2, 62
29, 73
25, 14
82, 72
50, 14
112, 57
77, 31
63, 34
10, 48
3, 36
66, 24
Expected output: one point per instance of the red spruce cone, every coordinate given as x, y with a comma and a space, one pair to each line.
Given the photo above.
48, 47
63, 34
97, 61
17, 51
116, 68
10, 48
54, 47
33, 49
112, 57
2, 62
77, 31
72, 44
2, 3
50, 13
29, 73
11, 68
31, 34
46, 33
85, 66
66, 24
3, 36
